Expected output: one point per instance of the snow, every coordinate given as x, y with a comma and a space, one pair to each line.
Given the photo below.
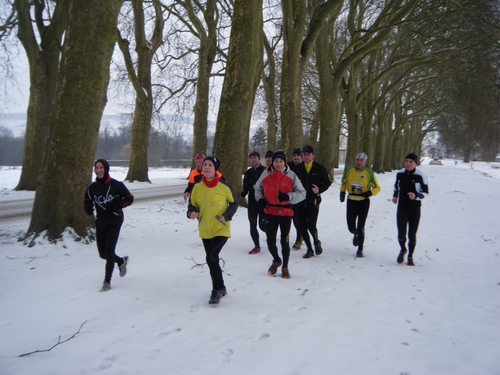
336, 315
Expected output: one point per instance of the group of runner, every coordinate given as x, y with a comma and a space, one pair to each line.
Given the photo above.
278, 194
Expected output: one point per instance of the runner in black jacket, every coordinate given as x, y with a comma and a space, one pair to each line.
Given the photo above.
410, 188
108, 196
296, 160
255, 213
315, 180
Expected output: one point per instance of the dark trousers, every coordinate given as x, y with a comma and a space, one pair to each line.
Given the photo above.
356, 213
408, 217
255, 219
307, 216
284, 223
213, 246
107, 237
296, 225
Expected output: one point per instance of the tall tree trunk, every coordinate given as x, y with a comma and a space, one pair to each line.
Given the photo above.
294, 25
141, 126
206, 58
297, 49
43, 59
269, 83
81, 93
238, 91
329, 113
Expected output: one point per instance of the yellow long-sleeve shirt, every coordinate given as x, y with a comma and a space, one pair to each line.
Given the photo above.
358, 181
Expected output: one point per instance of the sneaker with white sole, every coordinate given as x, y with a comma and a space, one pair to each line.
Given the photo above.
105, 287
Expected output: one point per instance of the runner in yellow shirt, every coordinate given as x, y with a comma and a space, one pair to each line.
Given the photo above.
361, 184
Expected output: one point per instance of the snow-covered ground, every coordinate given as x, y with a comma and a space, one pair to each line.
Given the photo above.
336, 315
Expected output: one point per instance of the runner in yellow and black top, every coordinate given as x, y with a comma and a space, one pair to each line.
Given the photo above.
361, 184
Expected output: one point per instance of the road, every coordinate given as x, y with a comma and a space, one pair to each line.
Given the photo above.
21, 208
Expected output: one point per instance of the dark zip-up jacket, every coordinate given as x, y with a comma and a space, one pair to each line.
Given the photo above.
249, 180
108, 197
413, 181
317, 176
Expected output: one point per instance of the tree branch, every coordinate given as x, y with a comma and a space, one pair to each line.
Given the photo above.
58, 343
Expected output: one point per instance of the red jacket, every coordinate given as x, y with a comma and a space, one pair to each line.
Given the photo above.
273, 182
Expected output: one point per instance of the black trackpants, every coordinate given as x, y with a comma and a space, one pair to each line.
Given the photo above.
356, 213
408, 217
107, 237
284, 223
296, 225
307, 216
213, 246
255, 219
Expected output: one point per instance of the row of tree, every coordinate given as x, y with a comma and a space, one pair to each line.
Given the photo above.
384, 73
111, 145
11, 147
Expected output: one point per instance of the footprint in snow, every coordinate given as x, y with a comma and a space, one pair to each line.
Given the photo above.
226, 355
166, 333
107, 362
194, 308
265, 318
264, 336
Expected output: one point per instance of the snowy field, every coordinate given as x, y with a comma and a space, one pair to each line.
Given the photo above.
336, 315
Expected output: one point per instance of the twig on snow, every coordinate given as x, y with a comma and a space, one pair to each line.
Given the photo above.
58, 343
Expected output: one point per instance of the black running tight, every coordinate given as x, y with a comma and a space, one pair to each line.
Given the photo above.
272, 224
107, 237
408, 217
213, 246
357, 210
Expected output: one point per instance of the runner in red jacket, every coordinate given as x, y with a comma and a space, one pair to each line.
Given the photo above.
276, 190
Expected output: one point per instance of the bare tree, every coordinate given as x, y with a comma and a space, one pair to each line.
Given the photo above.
81, 91
202, 23
297, 50
243, 74
41, 36
140, 77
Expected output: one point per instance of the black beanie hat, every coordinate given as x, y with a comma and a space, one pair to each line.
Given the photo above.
279, 154
308, 149
104, 163
297, 151
412, 156
254, 153
269, 154
214, 160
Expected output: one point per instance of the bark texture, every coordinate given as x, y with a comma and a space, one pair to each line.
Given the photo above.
81, 97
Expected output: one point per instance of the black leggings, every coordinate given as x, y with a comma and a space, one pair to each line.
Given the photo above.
107, 237
307, 216
357, 210
253, 218
408, 217
213, 246
296, 224
272, 224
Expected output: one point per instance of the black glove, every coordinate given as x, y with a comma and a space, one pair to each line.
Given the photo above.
262, 203
244, 194
283, 197
342, 196
367, 194
191, 209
